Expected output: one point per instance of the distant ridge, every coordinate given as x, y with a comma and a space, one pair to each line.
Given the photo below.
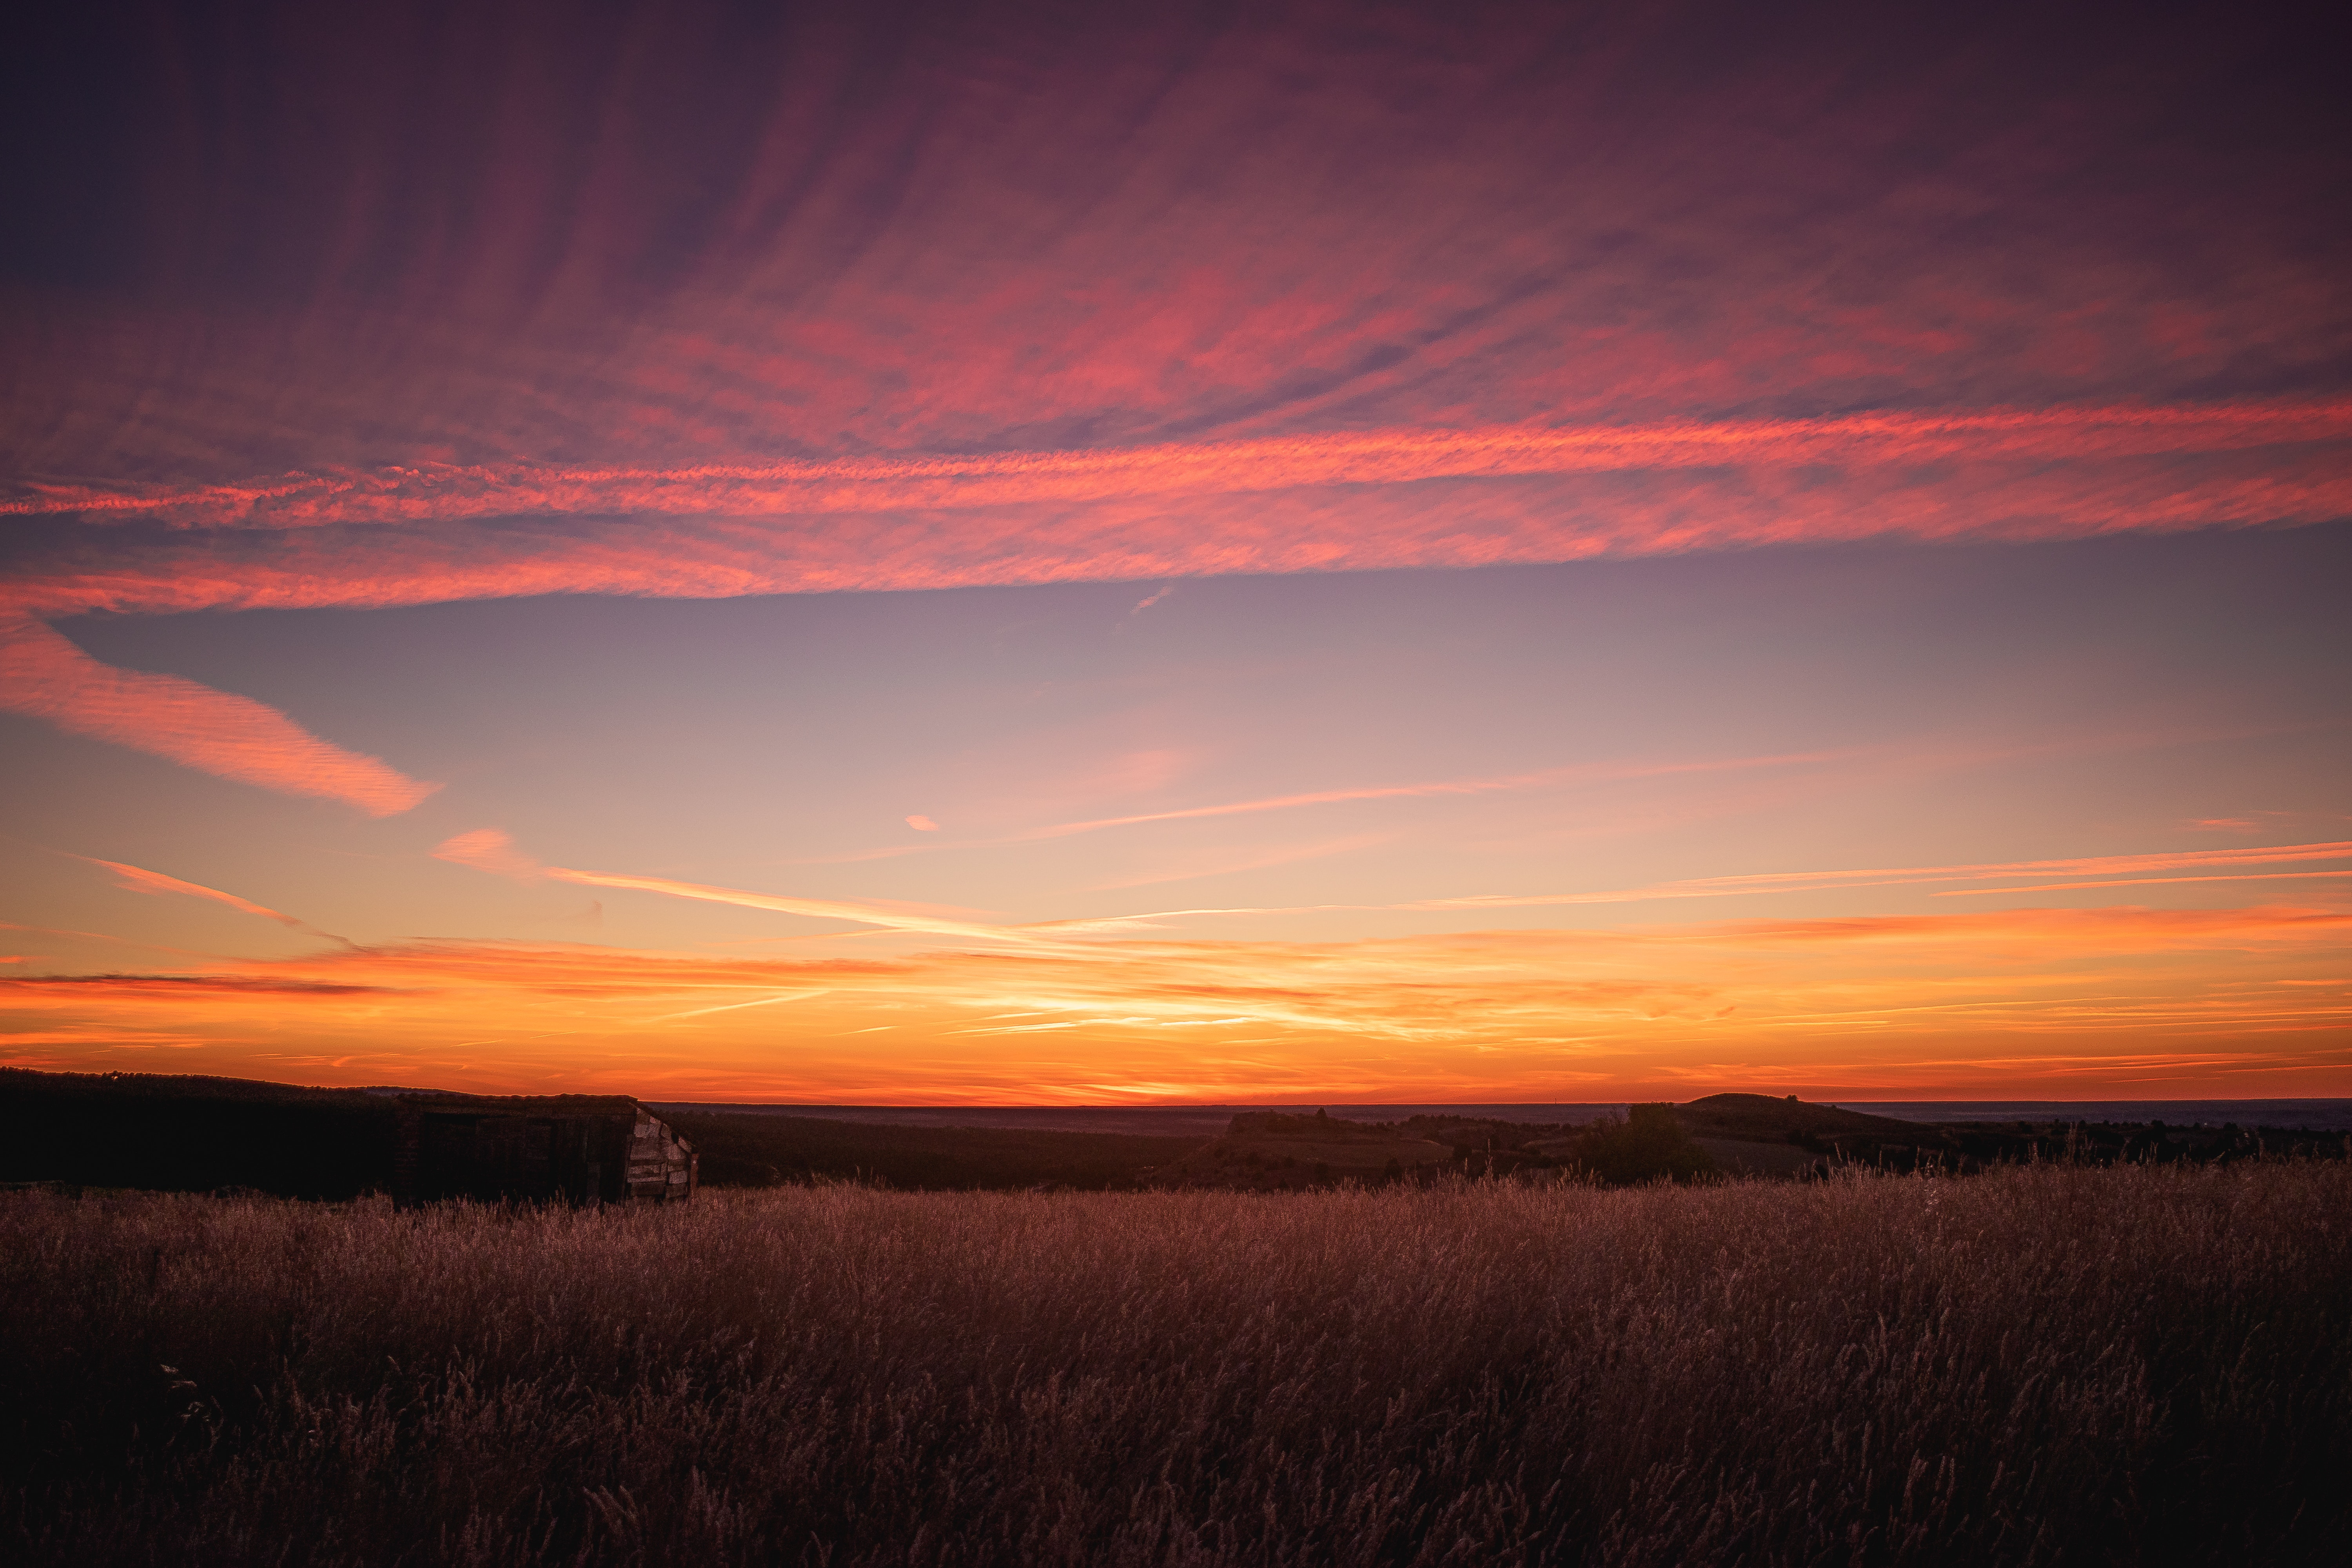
2317, 1115
193, 1133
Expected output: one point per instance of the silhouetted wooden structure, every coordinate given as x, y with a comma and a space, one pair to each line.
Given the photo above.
574, 1148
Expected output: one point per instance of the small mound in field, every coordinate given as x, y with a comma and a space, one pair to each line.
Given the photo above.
1766, 1116
1768, 1135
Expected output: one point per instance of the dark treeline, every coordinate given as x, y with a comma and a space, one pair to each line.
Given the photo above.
193, 1134
1705, 1137
1718, 1136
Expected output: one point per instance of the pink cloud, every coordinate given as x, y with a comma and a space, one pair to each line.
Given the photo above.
843, 486
1221, 261
1336, 506
1409, 229
45, 677
489, 850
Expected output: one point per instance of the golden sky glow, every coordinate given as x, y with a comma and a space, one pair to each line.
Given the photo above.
2052, 1003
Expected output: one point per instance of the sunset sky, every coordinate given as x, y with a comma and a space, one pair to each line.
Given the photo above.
1036, 554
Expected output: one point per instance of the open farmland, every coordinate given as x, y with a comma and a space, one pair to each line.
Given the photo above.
2132, 1364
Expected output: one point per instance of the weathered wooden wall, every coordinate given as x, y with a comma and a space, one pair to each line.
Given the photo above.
661, 1165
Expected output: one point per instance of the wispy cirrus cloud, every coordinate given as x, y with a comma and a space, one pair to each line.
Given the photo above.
1272, 304
1193, 868
440, 492
44, 675
1572, 775
2088, 872
489, 850
1576, 772
492, 849
819, 909
2148, 882
1344, 502
139, 880
186, 984
2098, 866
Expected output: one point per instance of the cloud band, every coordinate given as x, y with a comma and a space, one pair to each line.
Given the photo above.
446, 492
45, 677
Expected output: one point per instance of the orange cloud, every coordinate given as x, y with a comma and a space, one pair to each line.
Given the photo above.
1992, 1004
45, 677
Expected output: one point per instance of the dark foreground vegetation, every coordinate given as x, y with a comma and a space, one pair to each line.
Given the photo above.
159, 1134
760, 1150
166, 1133
2139, 1363
1718, 1136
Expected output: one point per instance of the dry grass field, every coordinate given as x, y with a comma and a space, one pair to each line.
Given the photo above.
2136, 1364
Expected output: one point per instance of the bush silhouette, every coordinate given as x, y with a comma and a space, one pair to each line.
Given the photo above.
1649, 1143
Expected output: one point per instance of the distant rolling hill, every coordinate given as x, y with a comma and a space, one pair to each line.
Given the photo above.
1764, 1135
168, 1133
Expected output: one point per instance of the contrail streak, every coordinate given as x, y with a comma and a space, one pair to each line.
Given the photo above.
139, 879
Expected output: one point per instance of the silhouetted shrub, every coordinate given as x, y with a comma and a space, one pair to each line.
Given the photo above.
1648, 1144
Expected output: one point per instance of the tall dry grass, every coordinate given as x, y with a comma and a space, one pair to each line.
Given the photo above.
2047, 1365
